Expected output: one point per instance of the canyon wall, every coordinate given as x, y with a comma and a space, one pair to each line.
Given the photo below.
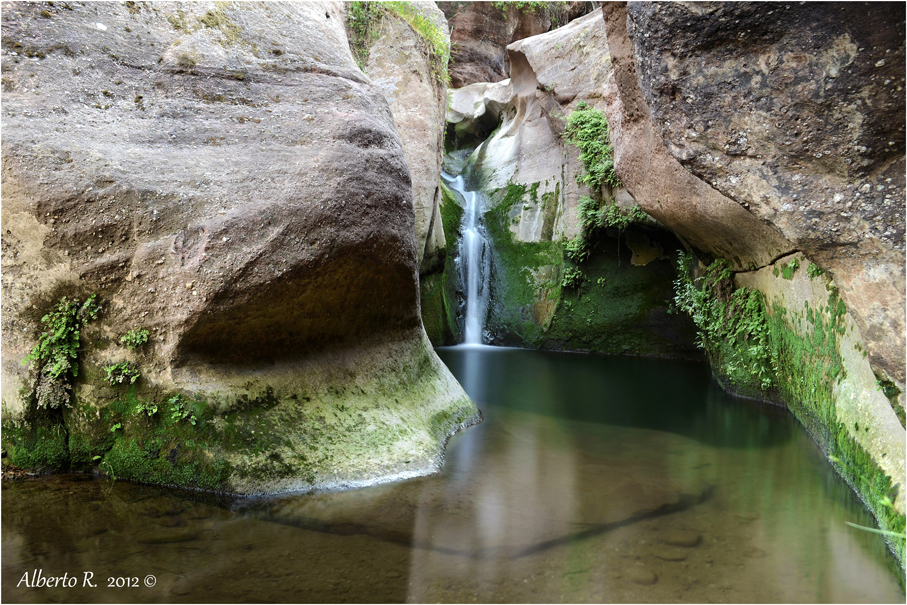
775, 139
529, 173
226, 178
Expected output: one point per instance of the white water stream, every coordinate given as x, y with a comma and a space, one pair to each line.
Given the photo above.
474, 261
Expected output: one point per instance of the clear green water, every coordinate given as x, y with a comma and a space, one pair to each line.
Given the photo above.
592, 479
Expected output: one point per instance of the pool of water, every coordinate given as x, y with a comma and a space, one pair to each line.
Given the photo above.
592, 479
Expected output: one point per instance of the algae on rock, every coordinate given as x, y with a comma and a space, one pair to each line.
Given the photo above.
267, 245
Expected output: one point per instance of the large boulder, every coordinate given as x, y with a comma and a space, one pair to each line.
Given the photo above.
227, 178
797, 113
661, 185
744, 128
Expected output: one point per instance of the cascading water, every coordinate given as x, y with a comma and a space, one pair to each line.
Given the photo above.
474, 260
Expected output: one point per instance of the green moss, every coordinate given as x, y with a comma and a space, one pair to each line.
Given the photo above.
587, 128
892, 393
788, 270
614, 307
38, 444
438, 44
438, 285
732, 326
805, 364
434, 310
217, 19
808, 369
813, 271
519, 303
621, 308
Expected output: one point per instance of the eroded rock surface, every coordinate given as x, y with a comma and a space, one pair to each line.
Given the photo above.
797, 113
401, 65
660, 184
226, 177
480, 35
529, 173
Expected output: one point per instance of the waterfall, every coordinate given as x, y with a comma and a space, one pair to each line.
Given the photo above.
474, 260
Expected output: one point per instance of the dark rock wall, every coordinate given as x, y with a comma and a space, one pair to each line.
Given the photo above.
796, 112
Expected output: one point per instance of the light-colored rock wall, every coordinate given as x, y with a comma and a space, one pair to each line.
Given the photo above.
532, 107
225, 176
857, 399
401, 66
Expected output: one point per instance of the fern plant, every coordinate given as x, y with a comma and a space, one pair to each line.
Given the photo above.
57, 351
587, 128
724, 316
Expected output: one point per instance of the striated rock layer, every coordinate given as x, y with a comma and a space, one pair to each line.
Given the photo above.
226, 177
481, 32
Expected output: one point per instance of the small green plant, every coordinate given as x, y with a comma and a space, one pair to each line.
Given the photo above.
577, 249
363, 19
135, 338
438, 43
788, 270
813, 270
724, 316
124, 371
148, 408
179, 411
57, 351
364, 23
601, 281
587, 128
116, 427
573, 278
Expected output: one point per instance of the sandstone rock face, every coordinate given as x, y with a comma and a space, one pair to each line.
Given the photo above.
226, 177
750, 130
661, 185
797, 113
480, 35
532, 108
401, 66
528, 173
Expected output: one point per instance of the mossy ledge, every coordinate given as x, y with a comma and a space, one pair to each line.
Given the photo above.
819, 369
341, 419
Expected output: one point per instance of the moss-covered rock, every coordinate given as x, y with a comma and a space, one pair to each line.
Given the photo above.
343, 419
438, 286
818, 367
620, 306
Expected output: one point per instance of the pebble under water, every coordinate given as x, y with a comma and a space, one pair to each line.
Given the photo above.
592, 479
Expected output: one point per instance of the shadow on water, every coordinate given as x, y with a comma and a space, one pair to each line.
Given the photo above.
678, 397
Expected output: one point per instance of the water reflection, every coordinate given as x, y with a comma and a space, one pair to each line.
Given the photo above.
591, 479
